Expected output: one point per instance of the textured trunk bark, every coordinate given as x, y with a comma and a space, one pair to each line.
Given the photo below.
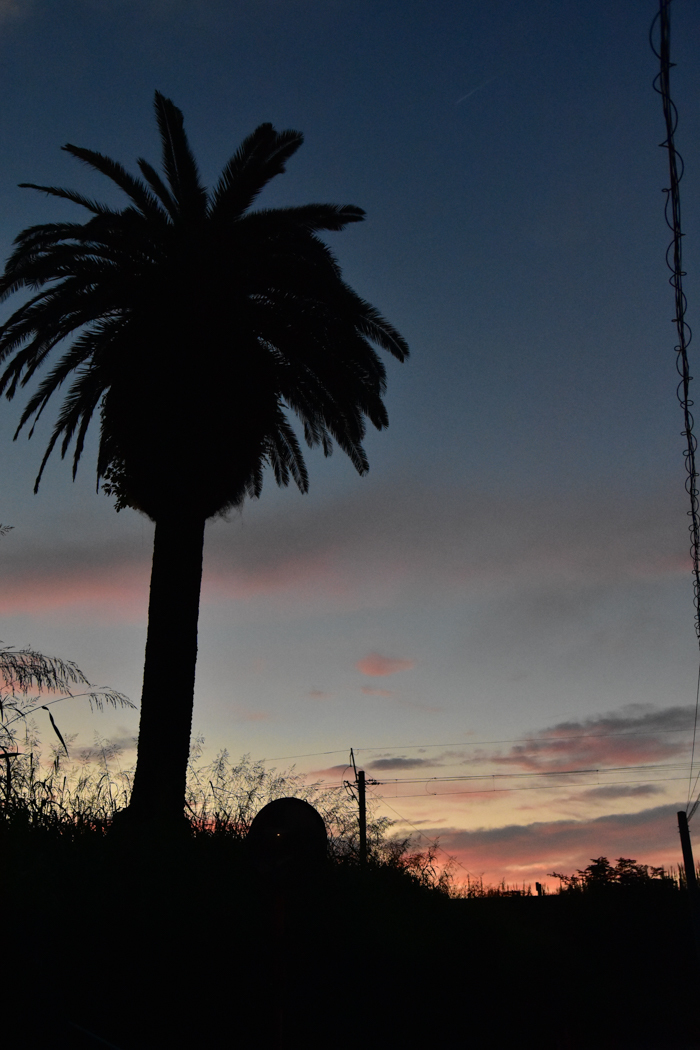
168, 678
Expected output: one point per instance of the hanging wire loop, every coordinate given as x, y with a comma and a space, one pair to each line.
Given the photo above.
674, 261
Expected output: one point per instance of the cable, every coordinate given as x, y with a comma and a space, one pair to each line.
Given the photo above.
695, 805
311, 754
481, 791
539, 787
673, 206
548, 773
477, 743
692, 754
662, 85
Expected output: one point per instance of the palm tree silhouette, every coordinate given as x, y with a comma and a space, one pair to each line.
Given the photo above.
196, 326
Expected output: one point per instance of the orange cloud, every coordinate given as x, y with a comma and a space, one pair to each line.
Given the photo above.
379, 666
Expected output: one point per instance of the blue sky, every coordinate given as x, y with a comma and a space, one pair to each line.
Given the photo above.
520, 544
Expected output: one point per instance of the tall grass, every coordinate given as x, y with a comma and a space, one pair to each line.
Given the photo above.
38, 794
73, 793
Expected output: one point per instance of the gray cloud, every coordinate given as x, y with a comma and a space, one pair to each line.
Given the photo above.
610, 791
635, 735
63, 556
113, 747
401, 763
562, 557
474, 536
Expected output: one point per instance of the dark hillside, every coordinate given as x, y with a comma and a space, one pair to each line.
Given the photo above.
197, 952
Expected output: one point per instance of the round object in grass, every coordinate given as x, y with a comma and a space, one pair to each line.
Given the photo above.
287, 835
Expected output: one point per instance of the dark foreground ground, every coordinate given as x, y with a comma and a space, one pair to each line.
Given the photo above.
103, 947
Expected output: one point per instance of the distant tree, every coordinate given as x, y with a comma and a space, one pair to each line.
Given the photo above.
600, 872
195, 326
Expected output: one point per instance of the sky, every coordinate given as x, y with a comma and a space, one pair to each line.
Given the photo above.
507, 595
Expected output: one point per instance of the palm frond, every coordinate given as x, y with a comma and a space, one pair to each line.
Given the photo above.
158, 186
49, 320
69, 195
115, 171
79, 406
179, 163
309, 217
261, 157
285, 455
82, 398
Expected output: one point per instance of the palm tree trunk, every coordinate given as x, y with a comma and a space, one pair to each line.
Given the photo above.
168, 677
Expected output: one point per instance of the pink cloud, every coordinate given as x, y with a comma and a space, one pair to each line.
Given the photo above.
369, 690
334, 773
379, 666
119, 595
318, 694
252, 716
520, 853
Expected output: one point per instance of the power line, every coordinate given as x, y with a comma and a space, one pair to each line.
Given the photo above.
494, 776
692, 756
539, 787
310, 754
480, 743
695, 805
548, 773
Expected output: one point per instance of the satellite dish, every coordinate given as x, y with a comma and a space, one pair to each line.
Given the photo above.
287, 836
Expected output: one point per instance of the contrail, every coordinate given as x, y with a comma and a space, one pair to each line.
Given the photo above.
478, 88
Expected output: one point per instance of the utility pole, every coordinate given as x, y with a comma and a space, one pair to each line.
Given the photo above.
691, 881
688, 862
362, 799
362, 802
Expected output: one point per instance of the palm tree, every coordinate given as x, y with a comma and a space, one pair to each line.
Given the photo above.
196, 326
